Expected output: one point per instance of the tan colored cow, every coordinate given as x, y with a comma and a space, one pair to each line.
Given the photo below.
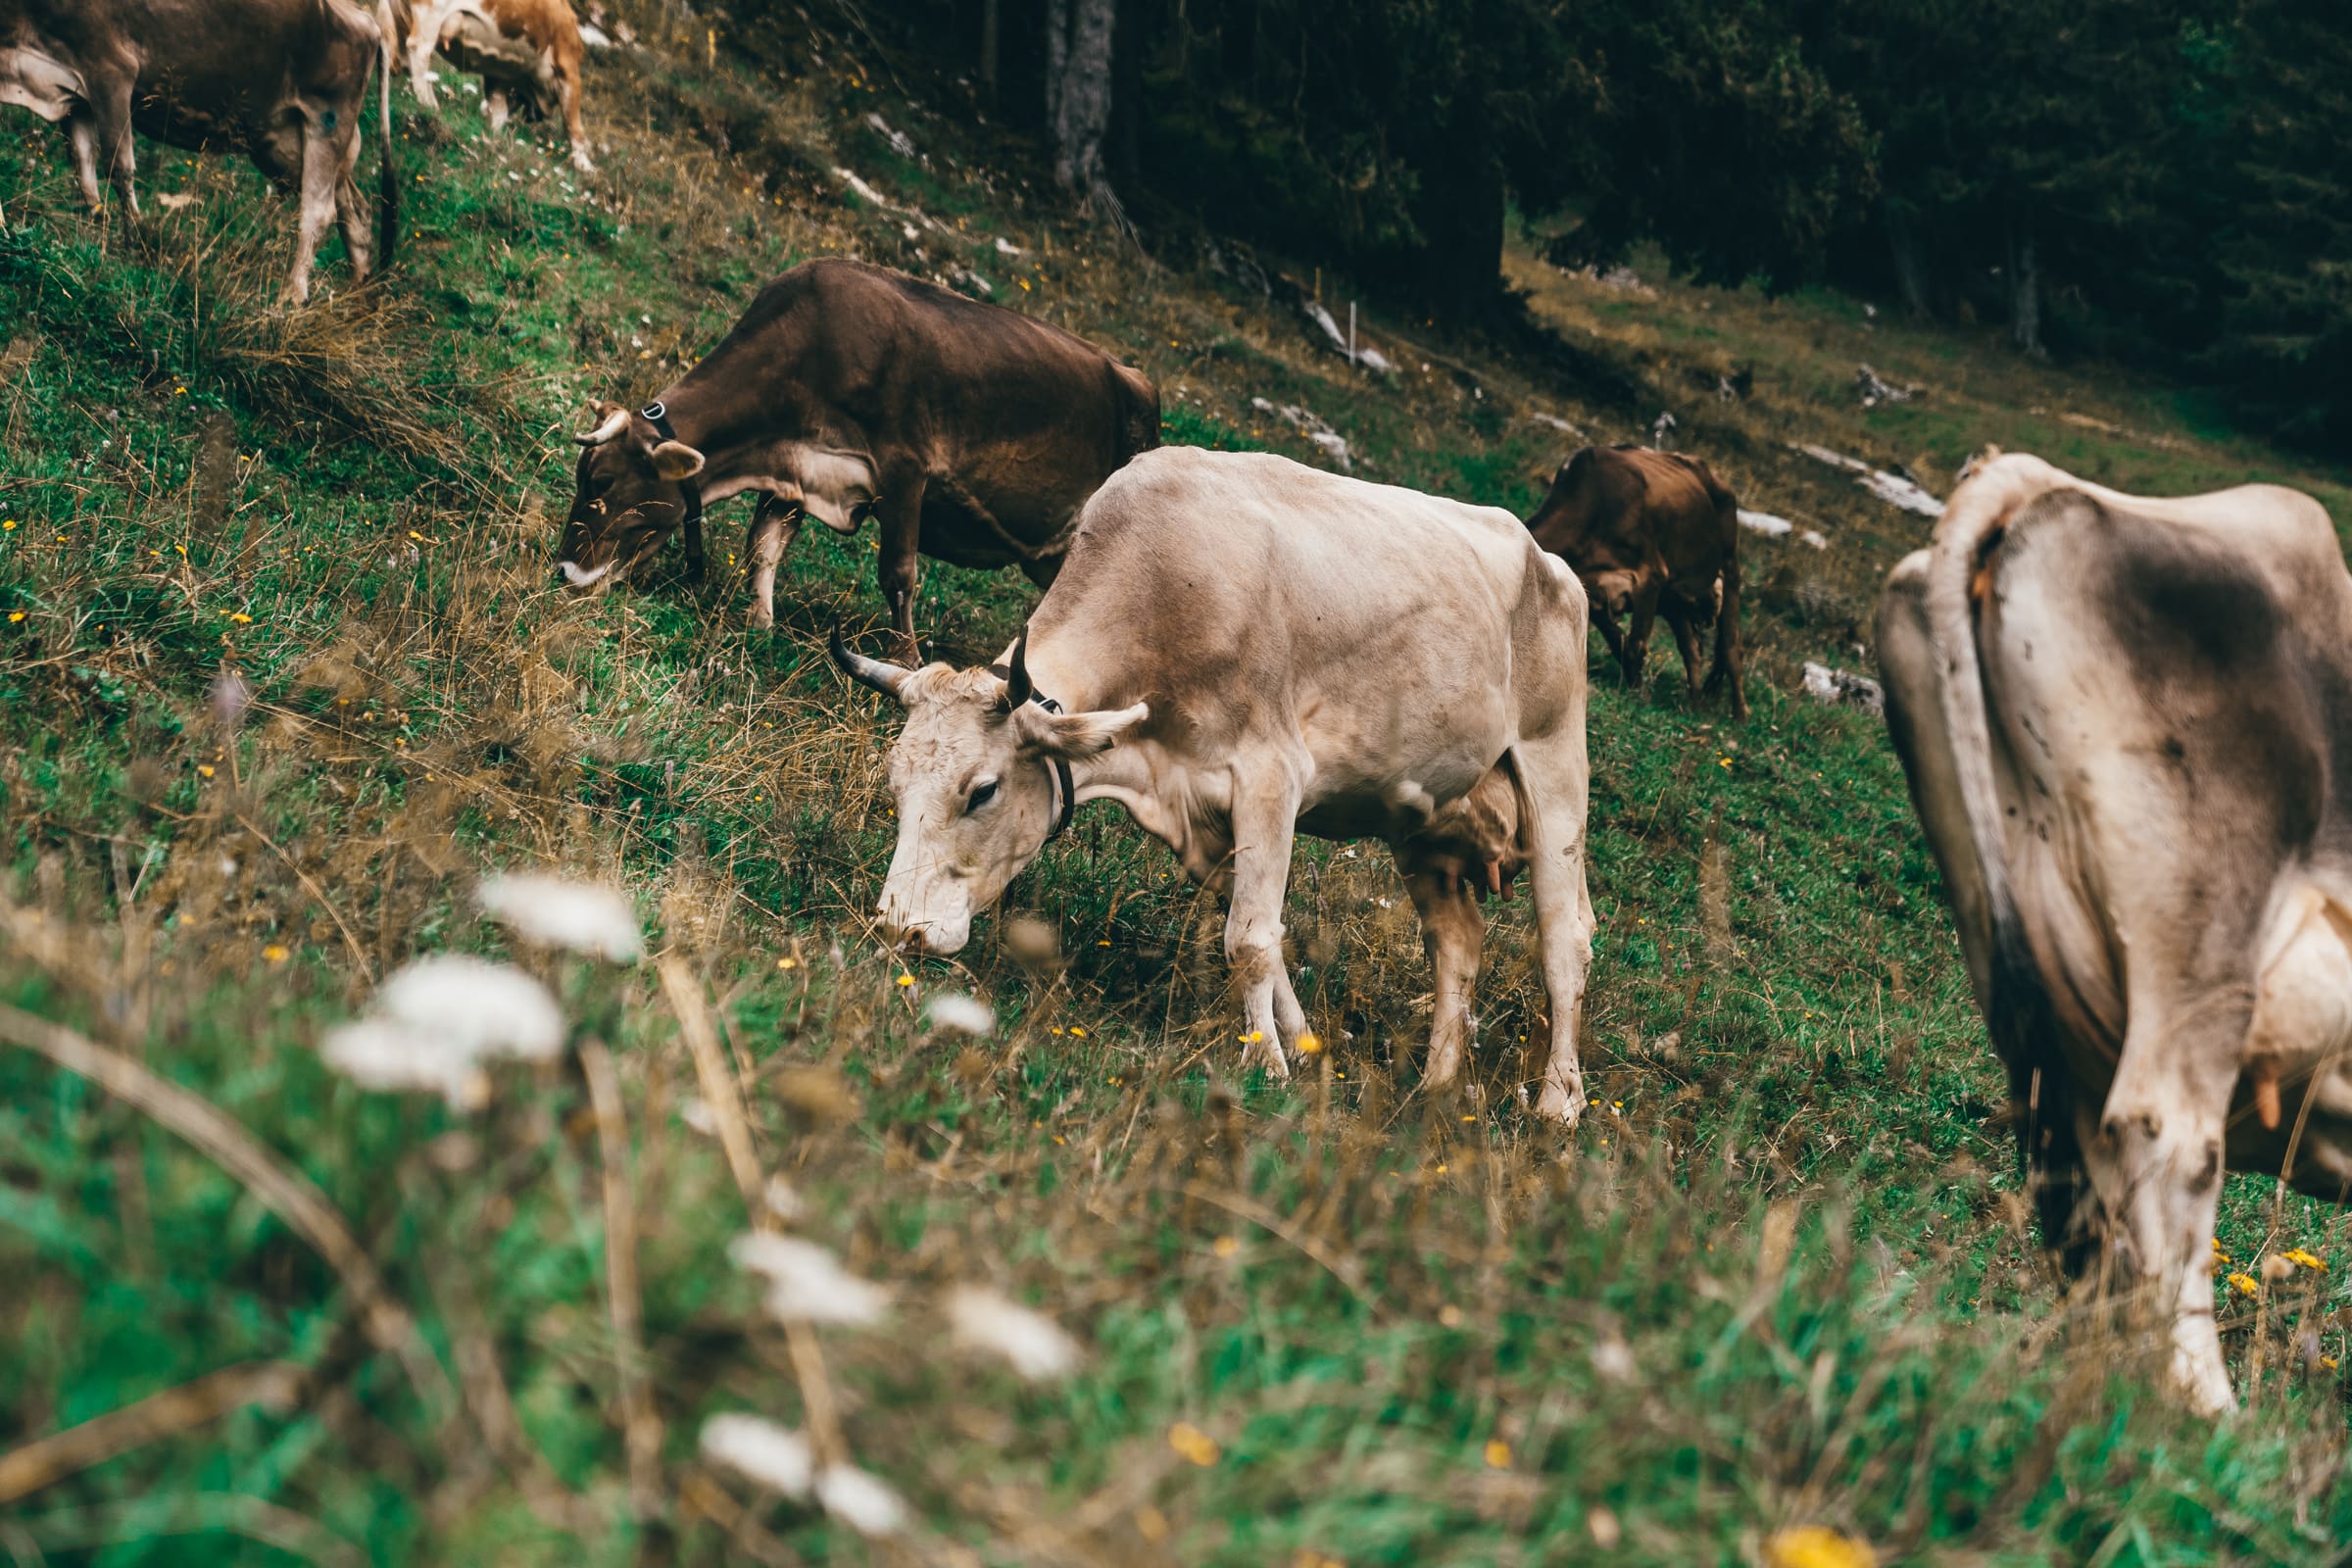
526, 49
2127, 726
1243, 649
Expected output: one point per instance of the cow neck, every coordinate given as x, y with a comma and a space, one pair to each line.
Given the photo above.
663, 419
1057, 768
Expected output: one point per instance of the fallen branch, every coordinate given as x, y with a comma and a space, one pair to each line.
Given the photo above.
49, 1459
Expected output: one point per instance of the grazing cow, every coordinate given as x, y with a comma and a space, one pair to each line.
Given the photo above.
973, 432
284, 82
1649, 533
2128, 727
1240, 649
531, 49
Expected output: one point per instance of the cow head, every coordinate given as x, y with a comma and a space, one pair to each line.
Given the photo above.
627, 497
977, 774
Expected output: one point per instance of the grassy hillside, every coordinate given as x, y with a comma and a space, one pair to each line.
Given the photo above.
283, 673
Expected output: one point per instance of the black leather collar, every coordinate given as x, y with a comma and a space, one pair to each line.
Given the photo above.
656, 415
1059, 768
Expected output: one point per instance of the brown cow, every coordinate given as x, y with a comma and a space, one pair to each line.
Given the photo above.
1648, 533
284, 82
973, 434
530, 48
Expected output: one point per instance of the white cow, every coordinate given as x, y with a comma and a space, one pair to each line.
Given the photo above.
2127, 726
1242, 649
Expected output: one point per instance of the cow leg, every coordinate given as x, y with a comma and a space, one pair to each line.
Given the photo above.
900, 510
1454, 933
321, 171
359, 239
1555, 781
1727, 642
1265, 816
1610, 632
2160, 1151
81, 134
775, 526
1686, 638
494, 103
567, 89
1642, 621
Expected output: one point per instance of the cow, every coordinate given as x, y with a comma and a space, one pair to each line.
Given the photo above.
284, 82
972, 432
1651, 532
2128, 730
531, 49
1240, 649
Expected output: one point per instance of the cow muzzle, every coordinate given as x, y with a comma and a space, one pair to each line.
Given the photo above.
925, 920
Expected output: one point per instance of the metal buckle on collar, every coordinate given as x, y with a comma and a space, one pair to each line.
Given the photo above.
656, 413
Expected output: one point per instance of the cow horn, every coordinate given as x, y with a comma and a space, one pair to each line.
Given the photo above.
614, 424
1018, 689
882, 677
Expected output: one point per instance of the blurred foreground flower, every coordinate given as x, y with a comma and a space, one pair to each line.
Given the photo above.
1034, 1344
862, 1502
774, 1456
1817, 1546
960, 1015
437, 1020
553, 912
469, 1001
806, 1283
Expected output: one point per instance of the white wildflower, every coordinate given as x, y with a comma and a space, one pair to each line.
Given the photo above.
862, 1502
775, 1456
1034, 1344
587, 918
958, 1013
468, 1003
379, 1054
782, 1197
806, 1283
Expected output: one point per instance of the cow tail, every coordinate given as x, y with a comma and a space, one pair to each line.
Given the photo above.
387, 207
2018, 1014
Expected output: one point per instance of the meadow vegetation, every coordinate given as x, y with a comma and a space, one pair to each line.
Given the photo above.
284, 673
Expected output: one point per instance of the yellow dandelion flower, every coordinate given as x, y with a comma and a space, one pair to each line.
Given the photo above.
1498, 1454
1225, 1246
205, 768
1076, 1033
15, 615
274, 953
1192, 1445
10, 526
2243, 1284
905, 980
787, 964
2307, 1259
1308, 1044
2327, 1361
242, 618
1817, 1546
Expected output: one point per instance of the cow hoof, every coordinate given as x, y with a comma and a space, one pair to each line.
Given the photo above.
1559, 1105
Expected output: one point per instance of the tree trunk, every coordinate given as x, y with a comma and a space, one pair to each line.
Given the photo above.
2024, 290
1910, 270
1460, 217
1079, 35
992, 29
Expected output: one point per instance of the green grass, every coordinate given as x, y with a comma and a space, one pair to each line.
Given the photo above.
1780, 1276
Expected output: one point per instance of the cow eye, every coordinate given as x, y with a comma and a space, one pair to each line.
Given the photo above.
981, 795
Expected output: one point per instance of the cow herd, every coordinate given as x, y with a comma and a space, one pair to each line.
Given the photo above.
2123, 721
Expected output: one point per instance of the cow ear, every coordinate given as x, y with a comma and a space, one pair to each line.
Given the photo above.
675, 459
1075, 735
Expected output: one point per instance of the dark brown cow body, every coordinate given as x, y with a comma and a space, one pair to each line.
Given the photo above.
283, 81
1650, 533
973, 434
